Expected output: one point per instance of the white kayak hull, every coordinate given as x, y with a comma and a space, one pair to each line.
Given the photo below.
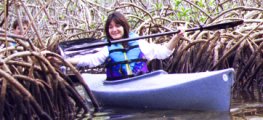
205, 91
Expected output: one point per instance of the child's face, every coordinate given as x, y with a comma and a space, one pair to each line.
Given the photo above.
116, 30
18, 31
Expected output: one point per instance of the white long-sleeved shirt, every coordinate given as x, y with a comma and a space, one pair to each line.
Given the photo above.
150, 50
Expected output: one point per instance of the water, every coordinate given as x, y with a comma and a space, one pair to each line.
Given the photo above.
241, 109
247, 105
238, 111
244, 106
131, 114
247, 111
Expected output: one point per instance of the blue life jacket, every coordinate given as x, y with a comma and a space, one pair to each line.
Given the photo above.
125, 62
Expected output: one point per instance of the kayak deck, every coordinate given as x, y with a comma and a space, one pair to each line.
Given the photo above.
98, 82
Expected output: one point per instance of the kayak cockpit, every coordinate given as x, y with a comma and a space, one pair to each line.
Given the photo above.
140, 77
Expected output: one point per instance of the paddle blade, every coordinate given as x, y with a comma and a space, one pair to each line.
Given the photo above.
223, 25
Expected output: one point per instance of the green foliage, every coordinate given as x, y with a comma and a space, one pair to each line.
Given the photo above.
158, 6
212, 3
1, 7
103, 18
92, 26
72, 7
177, 3
187, 11
61, 17
184, 12
45, 18
200, 3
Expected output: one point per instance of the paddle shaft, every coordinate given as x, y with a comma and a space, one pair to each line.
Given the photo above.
209, 27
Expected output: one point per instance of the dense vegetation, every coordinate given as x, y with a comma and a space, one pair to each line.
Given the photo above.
30, 84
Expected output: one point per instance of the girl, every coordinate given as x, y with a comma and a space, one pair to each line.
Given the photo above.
128, 59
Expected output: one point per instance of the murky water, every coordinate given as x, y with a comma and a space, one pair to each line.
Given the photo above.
247, 111
244, 111
244, 106
131, 114
247, 106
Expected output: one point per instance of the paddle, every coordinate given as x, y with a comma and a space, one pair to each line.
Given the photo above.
208, 27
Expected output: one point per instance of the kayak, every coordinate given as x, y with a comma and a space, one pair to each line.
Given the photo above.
203, 91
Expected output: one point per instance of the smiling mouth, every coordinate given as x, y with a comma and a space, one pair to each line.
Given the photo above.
116, 35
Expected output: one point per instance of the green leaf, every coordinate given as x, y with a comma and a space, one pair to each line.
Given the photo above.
177, 2
158, 6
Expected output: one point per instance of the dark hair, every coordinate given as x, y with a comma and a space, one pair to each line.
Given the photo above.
16, 24
118, 18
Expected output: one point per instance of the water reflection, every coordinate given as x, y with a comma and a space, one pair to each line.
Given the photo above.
245, 105
239, 111
247, 111
131, 114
